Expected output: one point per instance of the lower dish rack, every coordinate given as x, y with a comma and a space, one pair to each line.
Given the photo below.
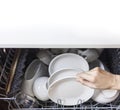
49, 105
11, 96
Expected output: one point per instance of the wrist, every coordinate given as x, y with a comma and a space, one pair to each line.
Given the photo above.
116, 82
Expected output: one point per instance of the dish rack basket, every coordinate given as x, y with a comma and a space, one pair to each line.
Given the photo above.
8, 89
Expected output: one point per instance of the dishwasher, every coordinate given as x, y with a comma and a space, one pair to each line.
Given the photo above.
29, 28
14, 62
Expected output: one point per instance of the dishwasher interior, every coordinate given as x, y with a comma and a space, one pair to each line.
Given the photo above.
13, 64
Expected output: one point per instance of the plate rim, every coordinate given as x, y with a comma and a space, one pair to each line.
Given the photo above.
54, 83
62, 55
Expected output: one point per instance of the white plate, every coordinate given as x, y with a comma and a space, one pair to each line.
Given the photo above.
68, 61
69, 92
105, 96
63, 74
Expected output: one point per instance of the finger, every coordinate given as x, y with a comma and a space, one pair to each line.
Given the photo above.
86, 83
80, 73
89, 84
87, 72
86, 76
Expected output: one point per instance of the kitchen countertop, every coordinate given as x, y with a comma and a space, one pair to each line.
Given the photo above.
60, 24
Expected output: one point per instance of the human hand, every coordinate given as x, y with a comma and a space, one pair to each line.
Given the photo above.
98, 78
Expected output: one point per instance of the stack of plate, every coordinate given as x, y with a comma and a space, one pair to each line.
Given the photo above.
62, 88
62, 85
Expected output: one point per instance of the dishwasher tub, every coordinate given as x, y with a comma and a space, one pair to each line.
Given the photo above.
15, 64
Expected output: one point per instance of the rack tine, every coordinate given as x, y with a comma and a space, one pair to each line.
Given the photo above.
5, 98
60, 102
2, 89
17, 104
79, 102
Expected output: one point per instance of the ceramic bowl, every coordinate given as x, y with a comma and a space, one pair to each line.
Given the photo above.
35, 69
40, 89
105, 96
